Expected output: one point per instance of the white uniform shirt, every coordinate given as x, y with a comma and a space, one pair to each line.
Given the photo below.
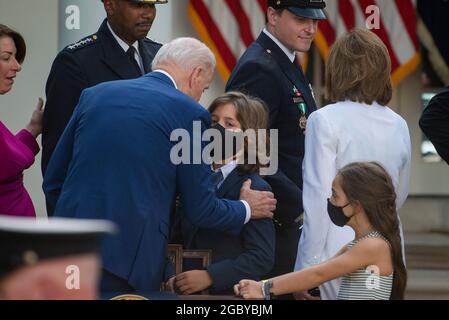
125, 48
338, 135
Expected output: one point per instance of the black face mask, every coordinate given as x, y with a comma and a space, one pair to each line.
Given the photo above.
228, 138
336, 214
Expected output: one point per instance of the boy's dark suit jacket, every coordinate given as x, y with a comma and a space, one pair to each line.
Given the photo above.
249, 255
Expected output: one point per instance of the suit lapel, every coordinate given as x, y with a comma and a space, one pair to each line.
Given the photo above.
229, 184
292, 72
147, 57
307, 91
114, 56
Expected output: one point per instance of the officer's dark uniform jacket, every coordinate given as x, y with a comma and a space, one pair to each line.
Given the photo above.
95, 59
265, 71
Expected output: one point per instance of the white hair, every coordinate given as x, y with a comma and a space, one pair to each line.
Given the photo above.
187, 53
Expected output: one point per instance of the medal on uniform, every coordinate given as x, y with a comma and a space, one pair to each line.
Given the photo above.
303, 120
298, 100
303, 123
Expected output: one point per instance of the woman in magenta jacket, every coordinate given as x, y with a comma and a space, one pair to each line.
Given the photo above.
17, 152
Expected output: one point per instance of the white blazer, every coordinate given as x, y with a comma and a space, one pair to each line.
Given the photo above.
337, 135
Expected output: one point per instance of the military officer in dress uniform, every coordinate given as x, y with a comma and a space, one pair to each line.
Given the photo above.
54, 259
269, 70
119, 50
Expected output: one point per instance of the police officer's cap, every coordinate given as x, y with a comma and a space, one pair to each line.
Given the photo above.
25, 241
312, 9
148, 1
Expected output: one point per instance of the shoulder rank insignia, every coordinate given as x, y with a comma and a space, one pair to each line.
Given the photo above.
83, 42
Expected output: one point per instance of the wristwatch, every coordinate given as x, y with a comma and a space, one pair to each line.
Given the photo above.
266, 287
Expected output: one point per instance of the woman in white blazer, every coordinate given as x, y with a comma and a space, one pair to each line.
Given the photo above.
358, 127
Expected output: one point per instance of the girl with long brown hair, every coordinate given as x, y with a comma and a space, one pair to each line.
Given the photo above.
371, 266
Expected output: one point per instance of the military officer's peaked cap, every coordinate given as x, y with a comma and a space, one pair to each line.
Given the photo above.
27, 241
148, 1
312, 9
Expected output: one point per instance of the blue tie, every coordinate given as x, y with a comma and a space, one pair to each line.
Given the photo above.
217, 178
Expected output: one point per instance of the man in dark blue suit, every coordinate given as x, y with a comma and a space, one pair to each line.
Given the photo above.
119, 50
115, 161
435, 123
269, 70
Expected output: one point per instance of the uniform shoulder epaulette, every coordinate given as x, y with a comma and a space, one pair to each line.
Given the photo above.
83, 43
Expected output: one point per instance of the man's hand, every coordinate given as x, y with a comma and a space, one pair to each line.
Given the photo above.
193, 281
262, 203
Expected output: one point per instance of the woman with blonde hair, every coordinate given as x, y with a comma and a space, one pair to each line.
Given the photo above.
357, 126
